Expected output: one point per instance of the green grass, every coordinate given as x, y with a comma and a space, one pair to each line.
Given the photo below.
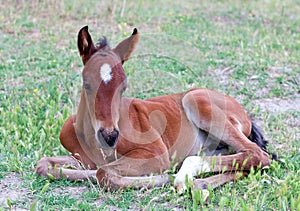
248, 49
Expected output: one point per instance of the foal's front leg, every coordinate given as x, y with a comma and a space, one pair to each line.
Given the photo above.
74, 167
135, 169
63, 166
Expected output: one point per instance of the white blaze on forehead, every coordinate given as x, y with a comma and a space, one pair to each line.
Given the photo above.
106, 73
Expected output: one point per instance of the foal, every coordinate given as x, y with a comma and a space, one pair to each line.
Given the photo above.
124, 141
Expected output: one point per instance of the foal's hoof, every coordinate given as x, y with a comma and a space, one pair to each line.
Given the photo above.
45, 169
181, 188
181, 181
183, 184
198, 189
42, 167
201, 195
256, 158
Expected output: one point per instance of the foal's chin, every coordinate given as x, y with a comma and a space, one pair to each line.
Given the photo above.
102, 145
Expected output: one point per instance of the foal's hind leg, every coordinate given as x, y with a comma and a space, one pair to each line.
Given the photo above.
223, 118
217, 180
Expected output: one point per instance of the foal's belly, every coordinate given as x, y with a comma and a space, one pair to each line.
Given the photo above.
207, 145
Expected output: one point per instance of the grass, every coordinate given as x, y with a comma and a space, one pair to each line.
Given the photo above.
248, 49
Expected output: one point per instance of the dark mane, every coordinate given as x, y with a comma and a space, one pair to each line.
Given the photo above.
102, 42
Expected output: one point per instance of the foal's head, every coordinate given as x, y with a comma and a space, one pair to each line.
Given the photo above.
104, 81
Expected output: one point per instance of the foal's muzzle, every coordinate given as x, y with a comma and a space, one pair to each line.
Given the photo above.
110, 136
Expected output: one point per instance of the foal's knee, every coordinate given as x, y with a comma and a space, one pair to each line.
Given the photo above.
109, 180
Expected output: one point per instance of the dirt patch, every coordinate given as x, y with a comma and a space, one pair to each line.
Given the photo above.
12, 192
277, 105
17, 197
276, 80
74, 192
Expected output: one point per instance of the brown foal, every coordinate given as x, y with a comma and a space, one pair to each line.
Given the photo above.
126, 142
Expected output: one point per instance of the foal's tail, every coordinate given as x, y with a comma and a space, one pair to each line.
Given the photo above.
257, 137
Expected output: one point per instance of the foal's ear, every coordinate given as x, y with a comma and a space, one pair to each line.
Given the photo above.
85, 44
125, 48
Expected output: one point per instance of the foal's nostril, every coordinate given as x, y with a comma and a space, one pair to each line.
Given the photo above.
99, 133
110, 136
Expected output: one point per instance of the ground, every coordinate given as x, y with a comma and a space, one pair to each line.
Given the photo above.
249, 50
